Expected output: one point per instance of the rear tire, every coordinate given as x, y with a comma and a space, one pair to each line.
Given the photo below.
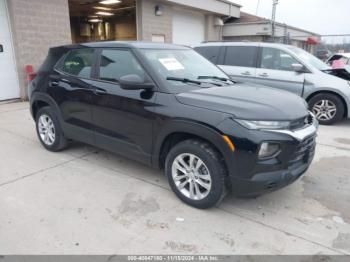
49, 130
198, 163
328, 108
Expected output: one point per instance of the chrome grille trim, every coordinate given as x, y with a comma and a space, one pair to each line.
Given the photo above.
301, 134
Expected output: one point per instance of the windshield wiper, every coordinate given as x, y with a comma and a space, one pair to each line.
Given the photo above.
222, 79
213, 77
190, 81
184, 80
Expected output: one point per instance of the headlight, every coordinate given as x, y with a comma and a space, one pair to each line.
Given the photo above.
268, 150
264, 124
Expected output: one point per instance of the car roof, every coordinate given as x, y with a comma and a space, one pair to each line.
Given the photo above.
125, 44
225, 43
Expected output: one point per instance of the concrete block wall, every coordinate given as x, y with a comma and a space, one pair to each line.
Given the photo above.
213, 32
37, 25
149, 24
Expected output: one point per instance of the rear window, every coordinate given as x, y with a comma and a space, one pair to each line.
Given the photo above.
209, 52
79, 63
244, 56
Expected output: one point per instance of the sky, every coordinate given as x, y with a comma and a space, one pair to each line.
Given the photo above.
320, 16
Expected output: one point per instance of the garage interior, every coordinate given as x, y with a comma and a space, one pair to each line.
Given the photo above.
105, 20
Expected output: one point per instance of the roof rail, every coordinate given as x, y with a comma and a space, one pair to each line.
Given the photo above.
226, 41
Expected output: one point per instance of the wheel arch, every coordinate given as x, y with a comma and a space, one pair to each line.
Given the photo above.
39, 101
332, 93
181, 130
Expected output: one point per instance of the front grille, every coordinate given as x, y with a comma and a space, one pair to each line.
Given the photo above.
305, 150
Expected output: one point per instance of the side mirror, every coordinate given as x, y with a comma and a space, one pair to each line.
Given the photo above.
134, 82
299, 68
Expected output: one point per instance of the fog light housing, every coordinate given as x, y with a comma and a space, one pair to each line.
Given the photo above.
268, 150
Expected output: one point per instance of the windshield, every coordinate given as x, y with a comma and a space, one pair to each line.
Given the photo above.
309, 58
184, 64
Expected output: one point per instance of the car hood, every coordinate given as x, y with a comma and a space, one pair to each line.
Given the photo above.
247, 101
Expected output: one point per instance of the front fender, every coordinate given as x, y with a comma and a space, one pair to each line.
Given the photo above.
208, 133
344, 94
322, 82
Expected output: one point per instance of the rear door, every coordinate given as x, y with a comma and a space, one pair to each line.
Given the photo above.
70, 87
213, 53
240, 63
275, 70
123, 119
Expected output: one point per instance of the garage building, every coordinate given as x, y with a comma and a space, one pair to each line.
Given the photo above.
29, 28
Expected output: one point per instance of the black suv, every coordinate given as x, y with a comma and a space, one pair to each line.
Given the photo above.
167, 106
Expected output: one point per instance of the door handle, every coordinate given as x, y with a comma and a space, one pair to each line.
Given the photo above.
1, 48
247, 73
264, 75
100, 91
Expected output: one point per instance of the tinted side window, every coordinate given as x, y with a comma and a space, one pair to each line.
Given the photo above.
79, 63
272, 58
209, 52
117, 63
244, 56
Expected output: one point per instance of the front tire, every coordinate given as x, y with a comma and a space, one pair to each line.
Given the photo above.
196, 173
49, 130
328, 108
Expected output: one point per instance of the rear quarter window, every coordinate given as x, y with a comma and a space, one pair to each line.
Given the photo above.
244, 56
79, 63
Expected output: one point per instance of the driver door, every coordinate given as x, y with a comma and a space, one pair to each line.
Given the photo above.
275, 70
123, 119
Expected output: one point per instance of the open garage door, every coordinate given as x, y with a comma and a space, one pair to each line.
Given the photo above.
9, 87
188, 27
110, 20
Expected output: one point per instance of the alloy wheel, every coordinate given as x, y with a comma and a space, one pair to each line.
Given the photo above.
191, 176
46, 130
324, 110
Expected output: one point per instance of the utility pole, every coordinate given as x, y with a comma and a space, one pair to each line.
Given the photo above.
273, 19
257, 7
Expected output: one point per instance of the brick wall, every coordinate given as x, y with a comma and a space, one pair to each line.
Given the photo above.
150, 24
213, 32
36, 26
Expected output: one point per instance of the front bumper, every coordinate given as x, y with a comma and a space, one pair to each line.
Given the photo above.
263, 183
252, 176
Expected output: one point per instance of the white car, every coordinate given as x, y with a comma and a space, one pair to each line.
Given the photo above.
326, 90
